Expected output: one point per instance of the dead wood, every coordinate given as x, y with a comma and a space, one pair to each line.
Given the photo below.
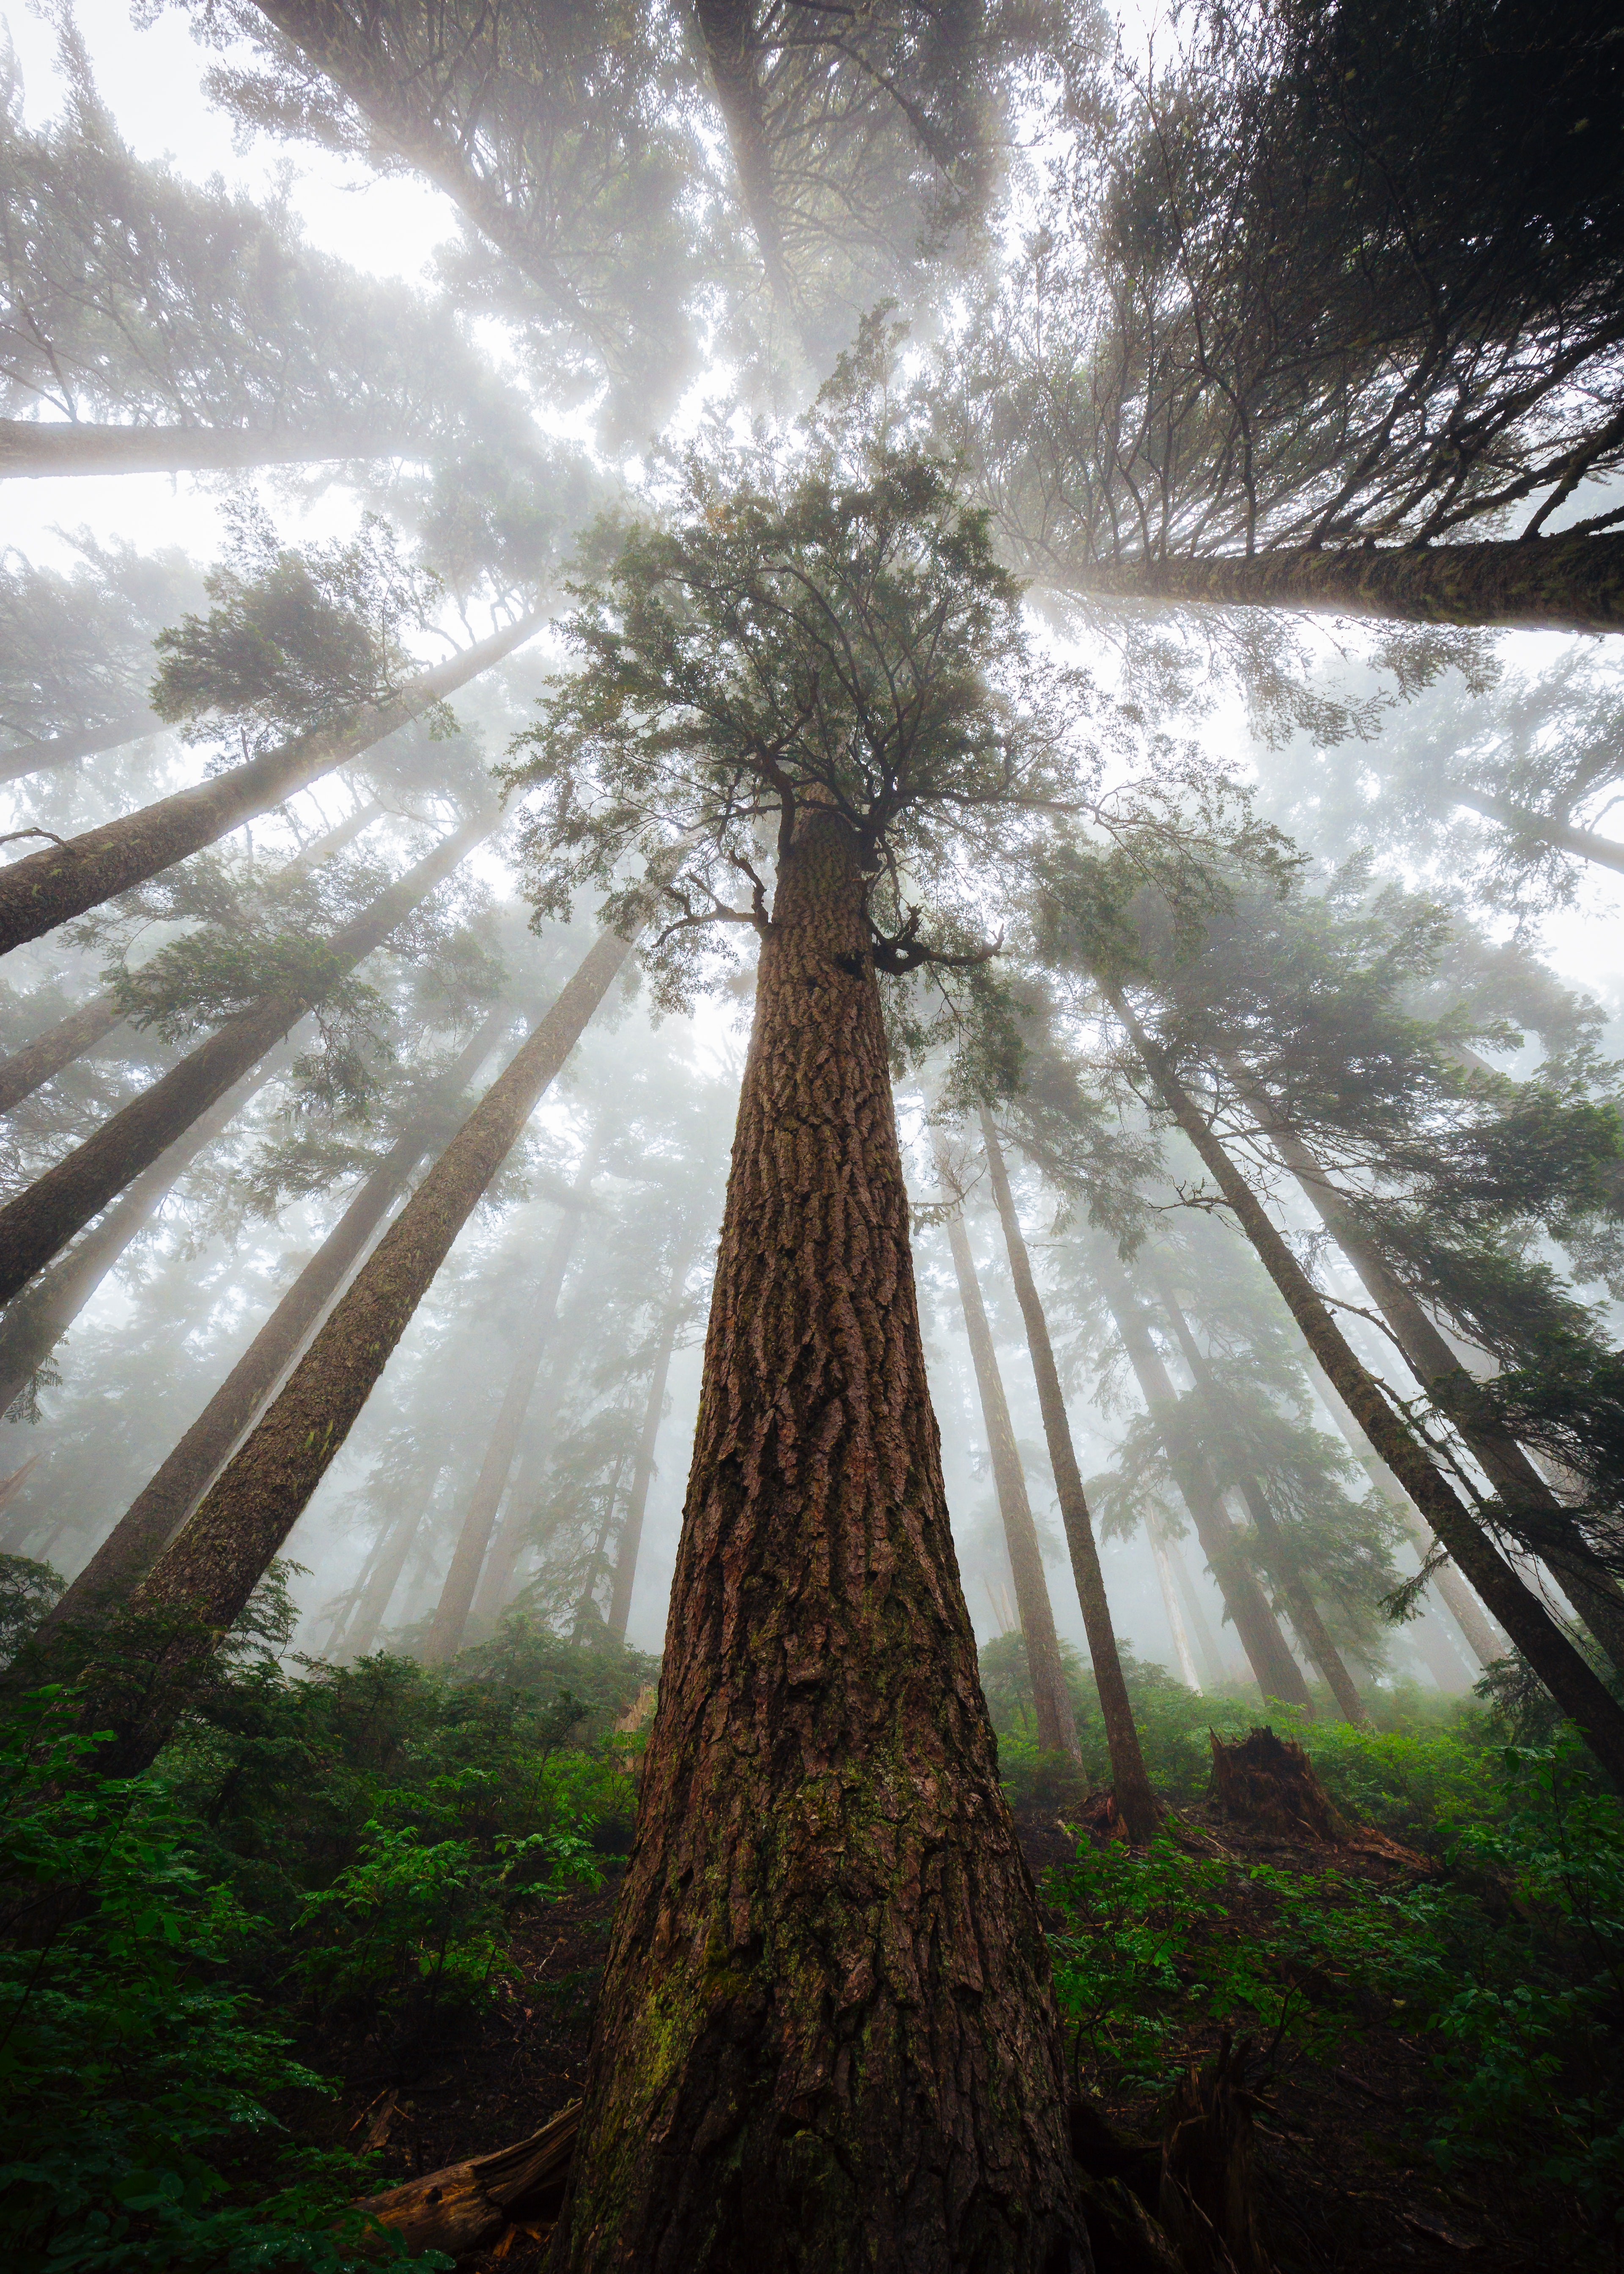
1207, 2198
462, 2205
1269, 1785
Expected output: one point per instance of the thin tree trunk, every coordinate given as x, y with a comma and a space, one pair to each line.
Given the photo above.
1175, 1616
1593, 1589
1051, 1702
210, 1570
28, 1069
162, 1505
1551, 583
643, 1474
450, 1622
826, 2034
48, 888
496, 1579
1605, 851
357, 1629
595, 1562
1217, 1671
38, 757
1130, 1779
1274, 1668
40, 1221
44, 449
1580, 1693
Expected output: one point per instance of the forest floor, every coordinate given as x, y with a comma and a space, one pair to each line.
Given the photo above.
1344, 2183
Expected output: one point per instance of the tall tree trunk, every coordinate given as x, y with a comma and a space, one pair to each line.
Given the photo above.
162, 1505
1274, 1668
36, 1323
1580, 1693
38, 757
513, 1533
1605, 851
1213, 1662
450, 1622
28, 1069
1051, 1702
1278, 1552
826, 2035
40, 1221
1552, 583
586, 1608
727, 29
1130, 1779
630, 1542
210, 1570
43, 448
1170, 1604
46, 889
1591, 1588
357, 1629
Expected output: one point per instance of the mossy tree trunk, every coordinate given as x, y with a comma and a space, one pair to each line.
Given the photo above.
826, 2035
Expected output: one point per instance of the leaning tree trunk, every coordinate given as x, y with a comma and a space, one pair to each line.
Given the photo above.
1553, 1532
1605, 851
355, 1626
630, 1543
1275, 1671
1050, 1699
46, 889
41, 1220
205, 1575
162, 1505
1552, 583
727, 29
29, 1068
1579, 1692
38, 757
1130, 1779
826, 2035
44, 449
450, 1621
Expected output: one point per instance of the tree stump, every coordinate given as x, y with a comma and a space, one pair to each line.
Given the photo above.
1207, 2198
1269, 1785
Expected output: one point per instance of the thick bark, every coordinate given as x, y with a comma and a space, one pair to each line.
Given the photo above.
1593, 1591
48, 888
630, 1543
450, 1621
1605, 851
40, 1221
356, 1629
1274, 1668
162, 1505
28, 1069
1580, 1693
47, 448
208, 1573
1552, 583
1051, 1702
89, 742
826, 2035
1130, 1779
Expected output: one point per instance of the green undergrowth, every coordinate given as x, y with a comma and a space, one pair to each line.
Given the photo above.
321, 1854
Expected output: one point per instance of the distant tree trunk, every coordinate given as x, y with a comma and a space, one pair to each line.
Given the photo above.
1593, 1589
28, 1069
40, 1221
1274, 1668
1170, 1604
40, 758
47, 448
48, 888
1215, 1668
1130, 1779
445, 1636
643, 1474
356, 1630
513, 1535
1051, 1701
1605, 851
727, 29
1278, 1553
210, 1570
162, 1505
1552, 583
1580, 1693
826, 2034
586, 1608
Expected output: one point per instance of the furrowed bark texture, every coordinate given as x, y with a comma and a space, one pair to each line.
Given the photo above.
162, 1505
61, 750
450, 1621
48, 448
630, 1542
1591, 1588
1130, 1778
1274, 1668
1557, 583
1051, 1704
1582, 1696
826, 2035
42, 1221
46, 889
356, 1628
209, 1572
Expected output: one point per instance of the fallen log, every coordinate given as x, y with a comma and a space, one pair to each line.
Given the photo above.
462, 2206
